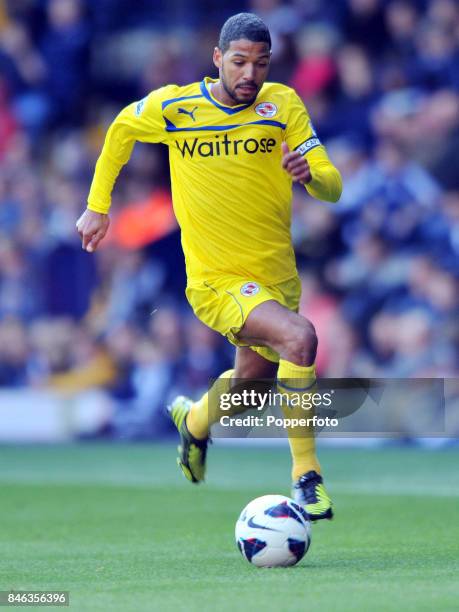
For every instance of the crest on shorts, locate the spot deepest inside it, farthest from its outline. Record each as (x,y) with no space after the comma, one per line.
(250,289)
(266,109)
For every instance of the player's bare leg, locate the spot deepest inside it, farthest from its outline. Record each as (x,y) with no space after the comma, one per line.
(251,365)
(288,333)
(294,338)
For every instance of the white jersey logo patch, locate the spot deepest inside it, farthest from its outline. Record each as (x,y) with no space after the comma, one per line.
(250,289)
(140,106)
(266,109)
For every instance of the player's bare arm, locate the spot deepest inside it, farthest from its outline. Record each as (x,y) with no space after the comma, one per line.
(92,227)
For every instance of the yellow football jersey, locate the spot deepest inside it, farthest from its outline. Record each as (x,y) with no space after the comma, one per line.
(231,196)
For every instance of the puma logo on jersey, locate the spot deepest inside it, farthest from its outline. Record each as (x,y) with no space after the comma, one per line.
(183,111)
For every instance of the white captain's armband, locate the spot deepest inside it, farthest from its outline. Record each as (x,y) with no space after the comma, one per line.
(307,145)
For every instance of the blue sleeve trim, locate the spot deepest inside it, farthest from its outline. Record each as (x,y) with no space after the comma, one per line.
(172,100)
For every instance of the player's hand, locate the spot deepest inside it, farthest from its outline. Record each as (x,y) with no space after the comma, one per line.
(295,164)
(92,227)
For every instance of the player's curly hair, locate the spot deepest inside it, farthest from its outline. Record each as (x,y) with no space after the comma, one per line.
(243,25)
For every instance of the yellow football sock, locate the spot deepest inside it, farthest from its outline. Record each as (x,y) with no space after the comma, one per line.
(296,380)
(204,413)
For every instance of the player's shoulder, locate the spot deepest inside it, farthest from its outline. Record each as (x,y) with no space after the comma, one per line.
(171,93)
(282,96)
(158,99)
(278,90)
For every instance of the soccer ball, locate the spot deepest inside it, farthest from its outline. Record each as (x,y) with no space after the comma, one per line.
(273,531)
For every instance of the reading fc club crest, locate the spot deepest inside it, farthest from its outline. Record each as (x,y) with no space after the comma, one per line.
(266,109)
(250,289)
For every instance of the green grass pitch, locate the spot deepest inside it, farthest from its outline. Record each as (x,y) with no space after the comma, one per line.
(120,529)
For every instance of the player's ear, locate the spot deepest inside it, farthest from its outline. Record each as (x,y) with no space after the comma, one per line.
(217,57)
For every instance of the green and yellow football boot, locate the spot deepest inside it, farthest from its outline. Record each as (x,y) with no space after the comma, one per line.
(309,492)
(192,452)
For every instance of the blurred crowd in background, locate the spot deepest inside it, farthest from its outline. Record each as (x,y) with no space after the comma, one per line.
(380,268)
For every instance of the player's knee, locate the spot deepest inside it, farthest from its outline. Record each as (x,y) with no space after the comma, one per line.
(301,343)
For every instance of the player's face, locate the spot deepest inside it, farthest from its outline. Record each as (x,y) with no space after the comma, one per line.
(243,69)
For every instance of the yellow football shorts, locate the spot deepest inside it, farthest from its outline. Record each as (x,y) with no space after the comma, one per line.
(223,304)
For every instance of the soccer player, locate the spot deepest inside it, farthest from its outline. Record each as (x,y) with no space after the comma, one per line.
(236,144)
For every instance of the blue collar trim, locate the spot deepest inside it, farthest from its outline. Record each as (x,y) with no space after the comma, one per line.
(229,110)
